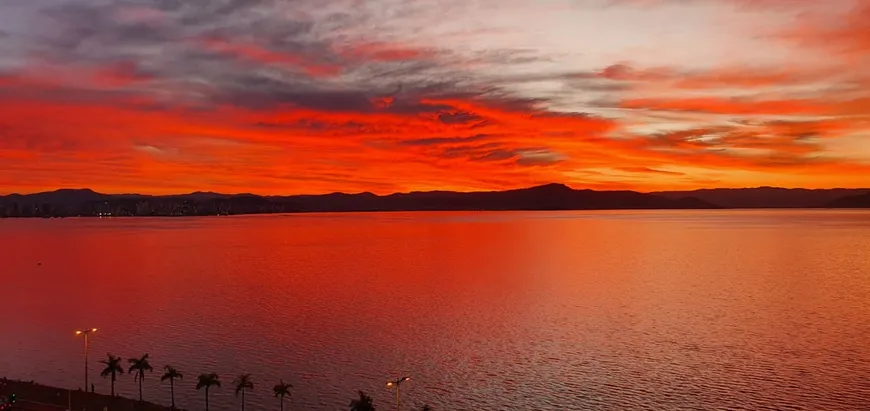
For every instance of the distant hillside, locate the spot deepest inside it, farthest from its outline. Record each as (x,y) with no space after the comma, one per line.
(62,203)
(855,201)
(765,197)
(59,196)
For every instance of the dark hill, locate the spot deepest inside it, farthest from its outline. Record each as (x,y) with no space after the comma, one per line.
(856,201)
(765,197)
(63,203)
(65,195)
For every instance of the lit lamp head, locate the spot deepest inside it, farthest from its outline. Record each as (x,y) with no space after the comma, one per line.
(88,331)
(397,382)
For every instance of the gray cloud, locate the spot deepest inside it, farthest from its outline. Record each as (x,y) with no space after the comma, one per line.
(458,118)
(538,157)
(434,141)
(256,54)
(493,151)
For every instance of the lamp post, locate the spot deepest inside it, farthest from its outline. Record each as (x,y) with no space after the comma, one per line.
(396,384)
(86,333)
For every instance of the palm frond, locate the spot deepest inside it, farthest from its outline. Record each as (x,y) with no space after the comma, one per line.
(282,389)
(363,403)
(141,364)
(113,366)
(171,374)
(208,380)
(243,382)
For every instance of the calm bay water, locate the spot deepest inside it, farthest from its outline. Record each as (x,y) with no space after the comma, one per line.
(660,310)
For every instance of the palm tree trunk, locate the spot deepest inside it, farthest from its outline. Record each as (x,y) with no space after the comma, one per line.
(206,398)
(282,402)
(113,385)
(140,388)
(243,399)
(172,391)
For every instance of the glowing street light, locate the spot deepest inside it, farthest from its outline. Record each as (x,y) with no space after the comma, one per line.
(86,333)
(396,384)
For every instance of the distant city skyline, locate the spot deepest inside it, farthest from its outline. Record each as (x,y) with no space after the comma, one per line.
(309,97)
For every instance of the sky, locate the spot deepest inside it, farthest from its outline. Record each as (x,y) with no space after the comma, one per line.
(317,96)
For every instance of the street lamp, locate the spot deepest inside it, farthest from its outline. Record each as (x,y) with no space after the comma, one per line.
(396,384)
(86,333)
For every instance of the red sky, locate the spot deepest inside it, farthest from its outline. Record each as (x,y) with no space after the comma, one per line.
(310,96)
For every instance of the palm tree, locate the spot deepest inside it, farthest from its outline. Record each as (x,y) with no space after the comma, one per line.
(363,403)
(113,368)
(207,381)
(171,374)
(243,383)
(282,390)
(140,365)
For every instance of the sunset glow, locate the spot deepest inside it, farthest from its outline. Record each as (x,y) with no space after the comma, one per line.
(316,96)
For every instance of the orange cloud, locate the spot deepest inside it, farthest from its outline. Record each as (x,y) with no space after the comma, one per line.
(109,131)
(647,170)
(378,113)
(464,144)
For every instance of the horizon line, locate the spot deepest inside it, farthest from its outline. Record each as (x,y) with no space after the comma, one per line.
(431,191)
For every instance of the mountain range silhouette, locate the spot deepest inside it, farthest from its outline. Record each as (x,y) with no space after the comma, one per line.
(86,202)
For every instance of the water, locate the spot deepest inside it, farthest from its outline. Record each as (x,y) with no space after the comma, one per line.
(660,310)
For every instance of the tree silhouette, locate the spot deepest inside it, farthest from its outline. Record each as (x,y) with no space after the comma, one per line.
(243,383)
(363,403)
(171,374)
(139,365)
(282,390)
(207,381)
(113,368)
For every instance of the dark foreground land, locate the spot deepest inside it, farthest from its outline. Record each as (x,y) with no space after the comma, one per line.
(71,203)
(37,397)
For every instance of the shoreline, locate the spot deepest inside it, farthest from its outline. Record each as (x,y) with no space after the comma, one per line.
(294,213)
(548,197)
(32,396)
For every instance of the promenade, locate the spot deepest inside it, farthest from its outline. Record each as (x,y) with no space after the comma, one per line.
(37,397)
